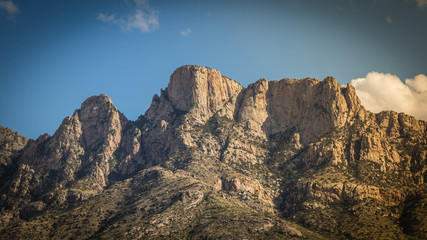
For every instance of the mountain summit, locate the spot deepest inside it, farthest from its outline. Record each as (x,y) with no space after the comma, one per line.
(210,159)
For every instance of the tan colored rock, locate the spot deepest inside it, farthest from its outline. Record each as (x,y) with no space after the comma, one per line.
(326,193)
(253,109)
(202,90)
(311,106)
(248,185)
(296,141)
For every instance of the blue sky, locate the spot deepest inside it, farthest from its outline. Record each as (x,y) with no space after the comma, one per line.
(55,54)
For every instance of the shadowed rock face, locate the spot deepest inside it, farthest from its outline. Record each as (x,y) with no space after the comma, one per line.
(210,159)
(79,153)
(10,145)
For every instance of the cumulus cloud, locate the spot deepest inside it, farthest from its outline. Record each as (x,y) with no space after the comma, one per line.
(384,91)
(9,7)
(142,18)
(422,3)
(186,32)
(418,83)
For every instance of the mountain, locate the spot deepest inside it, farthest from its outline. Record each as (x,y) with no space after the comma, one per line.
(210,159)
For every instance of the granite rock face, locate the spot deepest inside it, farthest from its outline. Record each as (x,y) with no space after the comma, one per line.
(73,164)
(11,143)
(213,159)
(203,91)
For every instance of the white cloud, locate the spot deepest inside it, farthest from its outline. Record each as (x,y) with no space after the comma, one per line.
(186,32)
(10,8)
(141,3)
(143,18)
(106,18)
(422,3)
(144,22)
(384,91)
(418,83)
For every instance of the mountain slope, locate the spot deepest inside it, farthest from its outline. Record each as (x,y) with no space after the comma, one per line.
(210,159)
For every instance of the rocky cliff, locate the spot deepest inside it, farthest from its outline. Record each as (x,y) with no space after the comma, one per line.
(212,159)
(11,143)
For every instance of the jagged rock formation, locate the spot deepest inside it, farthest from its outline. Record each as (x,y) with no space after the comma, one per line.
(10,145)
(212,159)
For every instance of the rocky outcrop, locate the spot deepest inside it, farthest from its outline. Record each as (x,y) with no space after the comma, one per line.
(182,89)
(264,107)
(11,143)
(77,159)
(102,131)
(202,91)
(318,194)
(246,186)
(310,106)
(85,141)
(253,108)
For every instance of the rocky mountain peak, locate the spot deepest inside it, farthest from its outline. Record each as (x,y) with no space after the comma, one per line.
(267,107)
(310,106)
(81,152)
(100,119)
(211,159)
(97,100)
(200,89)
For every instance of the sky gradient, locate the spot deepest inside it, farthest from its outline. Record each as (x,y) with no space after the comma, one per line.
(55,54)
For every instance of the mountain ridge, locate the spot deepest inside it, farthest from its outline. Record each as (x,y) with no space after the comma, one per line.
(297,156)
